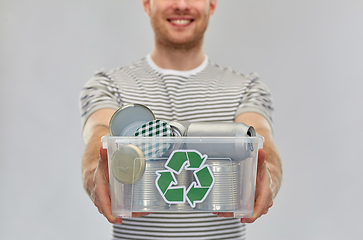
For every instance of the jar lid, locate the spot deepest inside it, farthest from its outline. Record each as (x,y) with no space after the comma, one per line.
(127,119)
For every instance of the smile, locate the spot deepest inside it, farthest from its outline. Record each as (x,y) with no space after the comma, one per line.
(180,21)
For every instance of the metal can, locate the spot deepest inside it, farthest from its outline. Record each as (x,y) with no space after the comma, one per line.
(128,164)
(222,196)
(179,128)
(127,119)
(238,151)
(145,196)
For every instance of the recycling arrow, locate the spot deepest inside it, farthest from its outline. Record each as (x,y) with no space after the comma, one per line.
(164,182)
(176,161)
(196,194)
(195,160)
(204,176)
(197,191)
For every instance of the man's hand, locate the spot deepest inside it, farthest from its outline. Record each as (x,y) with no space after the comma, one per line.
(99,188)
(263,192)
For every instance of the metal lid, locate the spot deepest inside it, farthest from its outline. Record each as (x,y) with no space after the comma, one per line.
(126,120)
(128,164)
(155,128)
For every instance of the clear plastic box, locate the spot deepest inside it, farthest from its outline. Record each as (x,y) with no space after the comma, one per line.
(182,174)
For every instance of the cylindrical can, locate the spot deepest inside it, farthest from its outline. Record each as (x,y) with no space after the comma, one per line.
(127,119)
(128,164)
(185,178)
(145,196)
(238,151)
(222,196)
(220,129)
(179,128)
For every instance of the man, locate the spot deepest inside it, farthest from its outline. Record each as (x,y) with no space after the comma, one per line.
(177,81)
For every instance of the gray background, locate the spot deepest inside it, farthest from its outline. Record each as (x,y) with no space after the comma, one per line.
(309,53)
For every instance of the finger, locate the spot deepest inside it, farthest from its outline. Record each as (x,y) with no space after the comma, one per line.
(92,195)
(102,167)
(225,214)
(103,196)
(260,208)
(103,153)
(229,214)
(266,211)
(140,214)
(118,221)
(137,214)
(101,190)
(269,205)
(102,193)
(97,204)
(257,212)
(263,200)
(261,157)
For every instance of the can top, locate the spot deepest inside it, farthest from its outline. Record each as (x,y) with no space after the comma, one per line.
(127,119)
(128,164)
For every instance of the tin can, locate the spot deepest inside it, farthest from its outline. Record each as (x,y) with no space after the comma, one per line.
(239,151)
(179,128)
(127,119)
(128,164)
(185,178)
(145,196)
(222,197)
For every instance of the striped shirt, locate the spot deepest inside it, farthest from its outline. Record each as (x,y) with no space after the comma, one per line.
(207,93)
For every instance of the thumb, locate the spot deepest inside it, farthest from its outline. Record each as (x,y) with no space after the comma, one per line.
(261,157)
(103,153)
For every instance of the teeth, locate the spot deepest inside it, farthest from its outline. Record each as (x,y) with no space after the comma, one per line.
(180,21)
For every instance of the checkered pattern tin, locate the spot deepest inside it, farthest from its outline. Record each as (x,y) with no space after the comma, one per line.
(155,128)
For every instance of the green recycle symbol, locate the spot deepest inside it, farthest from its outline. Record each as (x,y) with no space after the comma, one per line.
(197,192)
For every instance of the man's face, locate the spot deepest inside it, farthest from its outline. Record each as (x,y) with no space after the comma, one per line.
(179,23)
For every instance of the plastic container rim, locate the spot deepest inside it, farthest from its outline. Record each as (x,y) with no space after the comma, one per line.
(113,139)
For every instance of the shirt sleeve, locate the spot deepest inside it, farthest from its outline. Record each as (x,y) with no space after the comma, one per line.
(98,93)
(257,98)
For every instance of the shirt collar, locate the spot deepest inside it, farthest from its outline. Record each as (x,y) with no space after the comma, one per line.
(187,73)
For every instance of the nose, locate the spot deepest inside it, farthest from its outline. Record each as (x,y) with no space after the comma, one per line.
(181,5)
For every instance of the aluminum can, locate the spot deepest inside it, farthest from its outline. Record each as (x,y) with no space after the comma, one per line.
(238,151)
(222,196)
(145,196)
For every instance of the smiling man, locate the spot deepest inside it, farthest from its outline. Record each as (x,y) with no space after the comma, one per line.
(178,82)
(179,28)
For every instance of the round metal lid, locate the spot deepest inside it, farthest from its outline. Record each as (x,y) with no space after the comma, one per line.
(126,120)
(155,128)
(128,164)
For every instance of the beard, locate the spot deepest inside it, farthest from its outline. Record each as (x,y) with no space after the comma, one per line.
(175,41)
